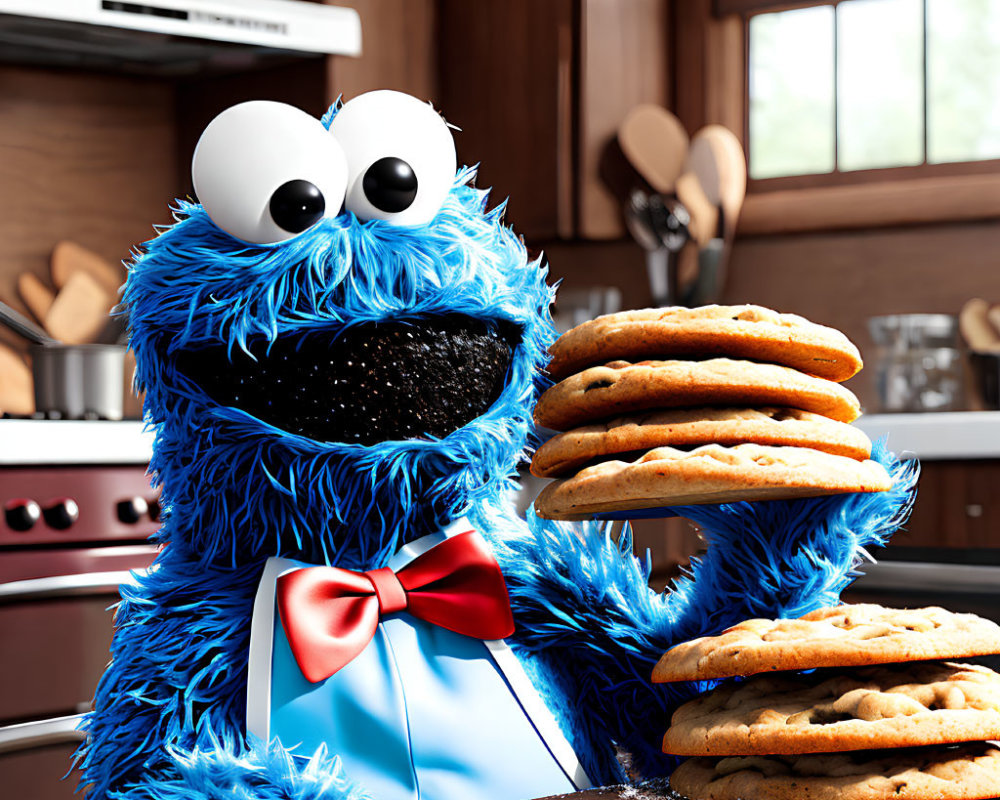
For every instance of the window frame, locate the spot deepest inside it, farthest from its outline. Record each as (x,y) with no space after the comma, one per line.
(889,196)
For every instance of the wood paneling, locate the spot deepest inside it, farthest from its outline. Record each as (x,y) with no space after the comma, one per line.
(504,69)
(624,61)
(708,70)
(398,50)
(956,506)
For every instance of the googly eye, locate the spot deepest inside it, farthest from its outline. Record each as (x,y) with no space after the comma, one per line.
(267,171)
(400,157)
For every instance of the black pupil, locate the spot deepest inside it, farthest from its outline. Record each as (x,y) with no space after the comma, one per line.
(297,205)
(390,184)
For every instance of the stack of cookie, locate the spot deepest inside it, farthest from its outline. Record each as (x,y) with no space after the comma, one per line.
(880,717)
(741,403)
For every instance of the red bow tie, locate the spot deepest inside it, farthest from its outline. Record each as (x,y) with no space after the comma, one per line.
(330,614)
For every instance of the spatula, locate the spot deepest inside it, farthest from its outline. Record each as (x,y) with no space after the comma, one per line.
(655,144)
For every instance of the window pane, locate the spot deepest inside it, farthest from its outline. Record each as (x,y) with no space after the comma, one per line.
(963,76)
(791,93)
(880,83)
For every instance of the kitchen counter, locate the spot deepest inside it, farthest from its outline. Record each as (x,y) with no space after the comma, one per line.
(937,435)
(931,436)
(42,441)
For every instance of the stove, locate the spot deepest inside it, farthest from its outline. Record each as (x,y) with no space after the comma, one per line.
(76,509)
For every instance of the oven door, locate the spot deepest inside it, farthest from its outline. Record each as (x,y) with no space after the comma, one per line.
(35,757)
(56,623)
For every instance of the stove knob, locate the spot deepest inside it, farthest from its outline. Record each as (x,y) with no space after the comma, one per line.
(62,513)
(154,510)
(22,514)
(132,510)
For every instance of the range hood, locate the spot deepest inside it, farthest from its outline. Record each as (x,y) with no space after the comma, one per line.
(173,37)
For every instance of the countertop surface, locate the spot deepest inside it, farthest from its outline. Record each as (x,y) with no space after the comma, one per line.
(931,436)
(937,435)
(32,442)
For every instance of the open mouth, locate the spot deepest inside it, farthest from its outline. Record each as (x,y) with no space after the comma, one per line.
(370,383)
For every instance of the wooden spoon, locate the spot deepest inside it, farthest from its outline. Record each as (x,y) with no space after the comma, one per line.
(655,143)
(36,295)
(716,157)
(704,212)
(80,311)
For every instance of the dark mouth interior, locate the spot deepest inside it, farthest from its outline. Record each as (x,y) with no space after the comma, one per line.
(369,383)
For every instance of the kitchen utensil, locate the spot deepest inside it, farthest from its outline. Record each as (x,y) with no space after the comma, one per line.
(80,311)
(703,212)
(716,157)
(712,187)
(24,326)
(670,220)
(15,383)
(79,381)
(36,295)
(660,225)
(655,144)
(639,222)
(68,258)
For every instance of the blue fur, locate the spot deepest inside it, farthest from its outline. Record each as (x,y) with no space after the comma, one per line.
(169,715)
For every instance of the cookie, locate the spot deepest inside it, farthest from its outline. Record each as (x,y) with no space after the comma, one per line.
(898,705)
(621,387)
(743,331)
(966,772)
(709,474)
(567,452)
(841,636)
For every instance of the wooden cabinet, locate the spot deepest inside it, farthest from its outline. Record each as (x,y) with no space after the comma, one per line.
(958,505)
(539,89)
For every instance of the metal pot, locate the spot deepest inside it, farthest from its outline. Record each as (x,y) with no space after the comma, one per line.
(79,381)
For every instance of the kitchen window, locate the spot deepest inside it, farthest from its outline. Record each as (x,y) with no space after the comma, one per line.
(868,112)
(870,84)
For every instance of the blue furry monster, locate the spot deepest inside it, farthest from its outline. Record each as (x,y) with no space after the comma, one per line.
(341,347)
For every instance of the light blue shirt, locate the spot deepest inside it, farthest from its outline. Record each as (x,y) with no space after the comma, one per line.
(421,713)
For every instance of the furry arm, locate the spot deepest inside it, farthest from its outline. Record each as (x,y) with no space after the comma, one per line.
(583,605)
(217,770)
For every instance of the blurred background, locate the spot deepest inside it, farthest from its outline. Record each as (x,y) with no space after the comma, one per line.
(837,160)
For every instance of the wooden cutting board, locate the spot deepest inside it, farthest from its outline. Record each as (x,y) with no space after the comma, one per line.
(36,295)
(16,387)
(68,258)
(80,310)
